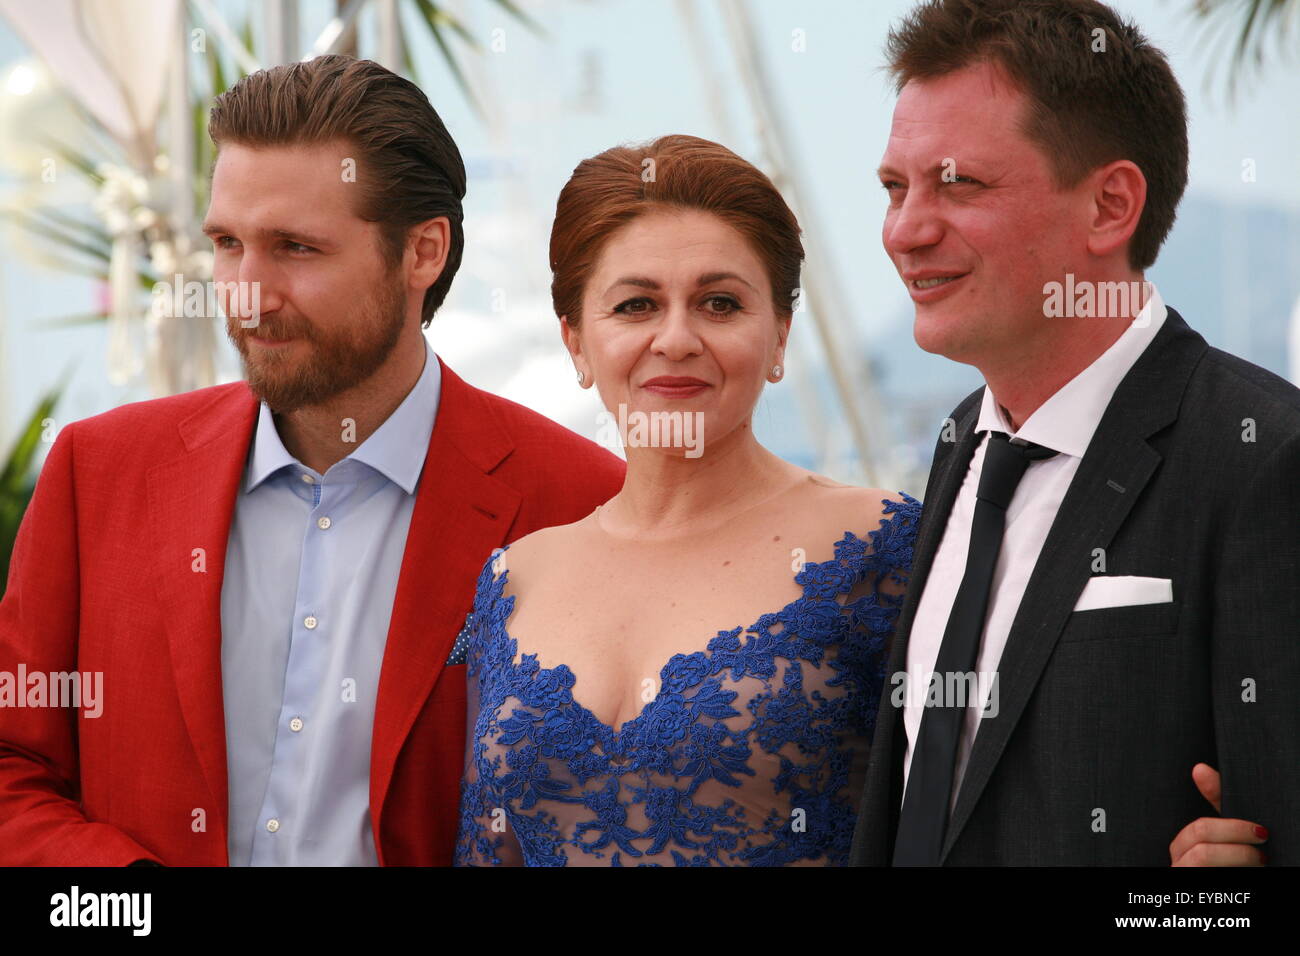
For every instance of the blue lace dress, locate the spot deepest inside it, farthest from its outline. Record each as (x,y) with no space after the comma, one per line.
(752,753)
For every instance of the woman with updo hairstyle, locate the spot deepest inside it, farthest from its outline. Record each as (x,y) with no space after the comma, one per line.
(688,676)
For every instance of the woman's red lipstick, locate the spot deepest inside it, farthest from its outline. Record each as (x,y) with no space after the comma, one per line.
(674,386)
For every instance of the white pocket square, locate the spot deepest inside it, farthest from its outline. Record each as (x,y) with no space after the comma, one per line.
(1124,591)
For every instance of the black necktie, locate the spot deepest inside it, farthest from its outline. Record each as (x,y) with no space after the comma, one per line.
(924,817)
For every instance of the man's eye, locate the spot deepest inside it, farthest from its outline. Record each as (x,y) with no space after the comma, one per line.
(894,190)
(220,241)
(963,179)
(728,303)
(632,306)
(297,247)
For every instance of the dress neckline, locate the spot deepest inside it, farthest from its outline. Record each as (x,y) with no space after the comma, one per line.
(612,739)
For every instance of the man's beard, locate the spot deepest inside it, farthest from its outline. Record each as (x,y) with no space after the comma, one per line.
(337,361)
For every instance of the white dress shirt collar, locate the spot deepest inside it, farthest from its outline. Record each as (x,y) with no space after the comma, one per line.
(1067,420)
(396,449)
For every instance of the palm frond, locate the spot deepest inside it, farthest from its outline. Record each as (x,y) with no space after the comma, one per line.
(76,320)
(17,480)
(1253,26)
(80,161)
(62,237)
(513,9)
(438,20)
(17,466)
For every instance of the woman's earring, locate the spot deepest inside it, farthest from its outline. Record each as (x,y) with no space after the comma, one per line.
(580,377)
(777,371)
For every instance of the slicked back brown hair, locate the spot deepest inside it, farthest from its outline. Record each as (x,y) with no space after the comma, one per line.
(1086,108)
(611,189)
(408,167)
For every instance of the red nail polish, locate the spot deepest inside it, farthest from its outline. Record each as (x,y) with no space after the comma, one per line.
(1261,832)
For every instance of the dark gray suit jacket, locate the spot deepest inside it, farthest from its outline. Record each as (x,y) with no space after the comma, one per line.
(1104,712)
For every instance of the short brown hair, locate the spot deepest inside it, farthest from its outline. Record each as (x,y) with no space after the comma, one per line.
(611,189)
(1086,109)
(413,169)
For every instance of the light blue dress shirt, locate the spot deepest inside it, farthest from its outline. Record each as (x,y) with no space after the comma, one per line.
(311,572)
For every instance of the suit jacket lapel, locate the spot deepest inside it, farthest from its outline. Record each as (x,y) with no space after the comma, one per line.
(1116,467)
(192,500)
(461,514)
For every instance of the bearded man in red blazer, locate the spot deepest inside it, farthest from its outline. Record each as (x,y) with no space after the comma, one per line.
(255,589)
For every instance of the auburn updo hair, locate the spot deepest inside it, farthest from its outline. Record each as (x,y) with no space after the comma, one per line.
(609,190)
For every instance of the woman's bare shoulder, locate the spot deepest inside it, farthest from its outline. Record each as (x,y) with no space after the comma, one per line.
(849,503)
(545,547)
(826,510)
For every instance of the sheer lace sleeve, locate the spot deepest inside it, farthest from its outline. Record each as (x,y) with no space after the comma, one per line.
(876,600)
(892,544)
(485,837)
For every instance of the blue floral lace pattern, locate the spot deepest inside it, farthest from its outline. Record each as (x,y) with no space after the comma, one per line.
(752,753)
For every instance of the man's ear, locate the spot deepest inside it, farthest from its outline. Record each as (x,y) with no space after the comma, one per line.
(431,240)
(1119,194)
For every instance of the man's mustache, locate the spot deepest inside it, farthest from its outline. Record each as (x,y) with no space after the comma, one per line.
(270,328)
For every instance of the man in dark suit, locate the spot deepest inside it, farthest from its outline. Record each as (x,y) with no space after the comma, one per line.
(1106,585)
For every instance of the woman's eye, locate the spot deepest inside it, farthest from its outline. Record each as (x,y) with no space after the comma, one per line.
(721,304)
(634,306)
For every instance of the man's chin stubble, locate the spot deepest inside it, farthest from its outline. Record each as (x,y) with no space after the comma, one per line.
(285,389)
(288,386)
(275,378)
(288,383)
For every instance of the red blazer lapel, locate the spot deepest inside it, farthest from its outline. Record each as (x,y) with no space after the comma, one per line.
(192,501)
(461,514)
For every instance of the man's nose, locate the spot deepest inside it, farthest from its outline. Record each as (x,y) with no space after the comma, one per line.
(252,289)
(914,224)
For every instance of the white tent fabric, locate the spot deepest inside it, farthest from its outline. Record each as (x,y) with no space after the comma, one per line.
(113,58)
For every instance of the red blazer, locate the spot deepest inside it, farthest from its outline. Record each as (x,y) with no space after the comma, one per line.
(106,576)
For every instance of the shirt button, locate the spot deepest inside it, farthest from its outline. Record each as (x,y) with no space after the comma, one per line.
(323,523)
(272,825)
(309,622)
(296,724)
(309,479)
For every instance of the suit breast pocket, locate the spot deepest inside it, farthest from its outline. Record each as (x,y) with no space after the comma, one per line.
(1117,623)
